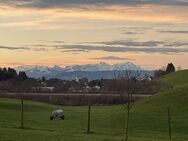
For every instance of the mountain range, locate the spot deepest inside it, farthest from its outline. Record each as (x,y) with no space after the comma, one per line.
(91,71)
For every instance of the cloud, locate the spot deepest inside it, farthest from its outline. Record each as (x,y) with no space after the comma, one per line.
(111,58)
(174,31)
(80,3)
(13,48)
(33,48)
(39,49)
(108,48)
(56,41)
(133,43)
(75,50)
(75,14)
(177,44)
(131,32)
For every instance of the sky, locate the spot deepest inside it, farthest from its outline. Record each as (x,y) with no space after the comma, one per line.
(149,33)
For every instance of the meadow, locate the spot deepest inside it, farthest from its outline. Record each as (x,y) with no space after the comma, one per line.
(148,118)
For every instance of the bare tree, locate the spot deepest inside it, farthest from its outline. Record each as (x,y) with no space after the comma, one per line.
(126,84)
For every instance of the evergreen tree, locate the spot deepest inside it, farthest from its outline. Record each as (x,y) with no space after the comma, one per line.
(22,75)
(170,68)
(11,73)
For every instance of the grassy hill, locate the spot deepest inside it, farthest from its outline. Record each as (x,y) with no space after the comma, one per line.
(150,114)
(148,121)
(176,79)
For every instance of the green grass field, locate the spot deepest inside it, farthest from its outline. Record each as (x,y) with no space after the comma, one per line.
(148,121)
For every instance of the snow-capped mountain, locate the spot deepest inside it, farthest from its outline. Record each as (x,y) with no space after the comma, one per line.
(89,67)
(92,71)
(30,67)
(102,67)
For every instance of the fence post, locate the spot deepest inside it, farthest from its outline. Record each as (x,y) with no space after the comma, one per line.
(169,124)
(22,126)
(127,123)
(88,124)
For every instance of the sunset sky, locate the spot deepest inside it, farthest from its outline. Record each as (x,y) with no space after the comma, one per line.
(149,33)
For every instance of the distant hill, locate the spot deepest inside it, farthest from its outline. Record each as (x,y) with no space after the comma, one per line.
(91,71)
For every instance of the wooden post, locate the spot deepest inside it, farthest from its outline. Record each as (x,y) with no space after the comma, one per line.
(88,123)
(127,123)
(22,114)
(169,124)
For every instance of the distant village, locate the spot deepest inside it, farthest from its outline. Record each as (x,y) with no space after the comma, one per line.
(78,85)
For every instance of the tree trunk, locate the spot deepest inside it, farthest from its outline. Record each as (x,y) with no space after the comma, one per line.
(88,124)
(169,124)
(127,122)
(22,113)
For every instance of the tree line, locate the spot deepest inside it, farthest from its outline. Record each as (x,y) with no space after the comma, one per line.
(10,73)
